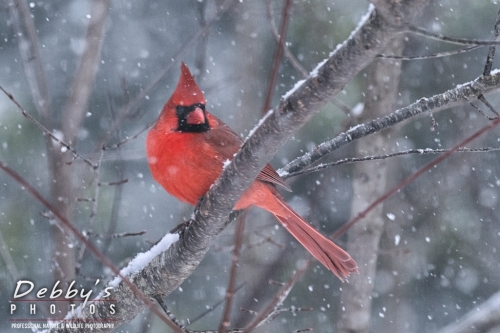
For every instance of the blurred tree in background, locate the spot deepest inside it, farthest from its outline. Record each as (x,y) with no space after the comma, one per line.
(96,73)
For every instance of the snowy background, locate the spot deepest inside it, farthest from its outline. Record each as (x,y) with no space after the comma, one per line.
(439,251)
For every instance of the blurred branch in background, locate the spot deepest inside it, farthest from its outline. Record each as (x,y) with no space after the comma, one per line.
(483,318)
(369,182)
(29,48)
(278,53)
(231,287)
(81,87)
(270,310)
(288,54)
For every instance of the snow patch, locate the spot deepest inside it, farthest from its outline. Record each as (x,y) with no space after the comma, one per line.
(314,72)
(358,109)
(141,260)
(282,173)
(461,85)
(226,163)
(270,112)
(495,71)
(296,86)
(397,239)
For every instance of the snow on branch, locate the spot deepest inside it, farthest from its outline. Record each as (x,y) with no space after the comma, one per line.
(461,94)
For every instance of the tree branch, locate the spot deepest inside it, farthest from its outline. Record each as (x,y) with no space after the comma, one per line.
(76,105)
(230,291)
(369,182)
(461,94)
(29,49)
(278,54)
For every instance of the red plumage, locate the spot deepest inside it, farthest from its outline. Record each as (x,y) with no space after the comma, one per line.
(186,150)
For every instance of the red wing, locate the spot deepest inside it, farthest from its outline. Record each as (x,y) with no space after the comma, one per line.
(221,137)
(228,143)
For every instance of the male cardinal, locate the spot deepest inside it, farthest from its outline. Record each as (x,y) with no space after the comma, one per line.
(186,150)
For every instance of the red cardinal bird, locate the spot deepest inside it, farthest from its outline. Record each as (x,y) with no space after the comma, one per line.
(186,151)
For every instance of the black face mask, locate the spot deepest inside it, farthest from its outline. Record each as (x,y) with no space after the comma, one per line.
(183,111)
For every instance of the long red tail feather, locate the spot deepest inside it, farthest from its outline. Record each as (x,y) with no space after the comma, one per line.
(328,253)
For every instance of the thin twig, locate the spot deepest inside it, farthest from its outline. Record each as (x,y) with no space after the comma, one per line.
(212,307)
(170,315)
(127,139)
(120,235)
(29,48)
(288,54)
(230,291)
(491,50)
(97,188)
(291,309)
(119,167)
(115,183)
(278,54)
(490,107)
(265,314)
(426,151)
(64,145)
(414,176)
(449,39)
(431,56)
(52,220)
(478,109)
(266,240)
(342,106)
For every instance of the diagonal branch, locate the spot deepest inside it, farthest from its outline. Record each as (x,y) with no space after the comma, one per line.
(417,151)
(81,87)
(452,40)
(278,54)
(461,94)
(29,48)
(491,50)
(288,54)
(238,240)
(266,313)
